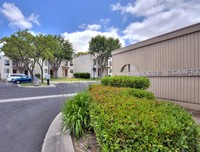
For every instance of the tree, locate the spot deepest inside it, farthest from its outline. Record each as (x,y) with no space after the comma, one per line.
(19,47)
(43,45)
(101,47)
(80,53)
(62,50)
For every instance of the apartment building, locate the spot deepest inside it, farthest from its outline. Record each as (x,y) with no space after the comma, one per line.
(82,63)
(88,63)
(66,69)
(8,66)
(5,66)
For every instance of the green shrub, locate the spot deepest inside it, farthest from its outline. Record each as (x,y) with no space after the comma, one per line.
(126,81)
(82,75)
(37,75)
(125,124)
(75,114)
(140,93)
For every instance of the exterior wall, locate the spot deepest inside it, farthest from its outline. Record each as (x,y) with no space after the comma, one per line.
(66,69)
(45,68)
(171,61)
(3,72)
(84,63)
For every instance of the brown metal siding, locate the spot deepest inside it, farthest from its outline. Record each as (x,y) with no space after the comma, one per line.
(180,52)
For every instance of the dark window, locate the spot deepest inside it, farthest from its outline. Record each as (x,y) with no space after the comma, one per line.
(71,63)
(6,62)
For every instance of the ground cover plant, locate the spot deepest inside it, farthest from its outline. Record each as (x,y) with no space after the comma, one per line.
(126,81)
(125,123)
(75,114)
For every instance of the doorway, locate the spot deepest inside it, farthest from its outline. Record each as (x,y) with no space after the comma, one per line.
(51,73)
(66,73)
(26,72)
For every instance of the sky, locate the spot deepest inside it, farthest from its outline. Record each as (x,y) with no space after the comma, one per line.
(130,21)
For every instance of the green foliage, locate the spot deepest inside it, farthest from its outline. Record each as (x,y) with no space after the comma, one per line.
(76,114)
(37,75)
(43,47)
(62,50)
(19,47)
(140,93)
(82,75)
(101,47)
(124,123)
(80,53)
(126,81)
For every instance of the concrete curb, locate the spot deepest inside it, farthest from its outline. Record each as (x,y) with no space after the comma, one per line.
(55,140)
(72,82)
(42,86)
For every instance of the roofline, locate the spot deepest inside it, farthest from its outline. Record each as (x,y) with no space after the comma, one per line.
(177,33)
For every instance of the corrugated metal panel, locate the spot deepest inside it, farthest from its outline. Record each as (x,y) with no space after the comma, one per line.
(177,53)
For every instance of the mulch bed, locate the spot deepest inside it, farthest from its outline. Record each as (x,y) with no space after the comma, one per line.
(87,143)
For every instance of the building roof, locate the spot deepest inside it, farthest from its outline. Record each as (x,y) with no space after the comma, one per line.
(177,33)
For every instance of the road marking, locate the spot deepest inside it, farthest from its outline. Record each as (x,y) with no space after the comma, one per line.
(36,98)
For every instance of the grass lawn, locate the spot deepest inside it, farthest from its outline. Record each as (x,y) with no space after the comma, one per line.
(73,79)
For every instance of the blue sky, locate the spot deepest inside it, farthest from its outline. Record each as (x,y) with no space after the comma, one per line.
(78,20)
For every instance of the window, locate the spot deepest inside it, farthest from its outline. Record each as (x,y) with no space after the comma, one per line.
(14,63)
(110,70)
(94,61)
(6,62)
(6,71)
(71,63)
(110,63)
(45,63)
(66,63)
(71,71)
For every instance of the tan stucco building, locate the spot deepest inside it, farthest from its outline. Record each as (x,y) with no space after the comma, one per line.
(171,61)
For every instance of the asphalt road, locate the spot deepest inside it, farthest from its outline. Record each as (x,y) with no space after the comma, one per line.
(10,90)
(23,124)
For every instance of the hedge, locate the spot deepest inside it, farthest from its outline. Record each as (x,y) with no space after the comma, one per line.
(124,123)
(82,75)
(126,81)
(140,93)
(37,75)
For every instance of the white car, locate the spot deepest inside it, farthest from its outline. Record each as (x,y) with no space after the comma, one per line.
(13,76)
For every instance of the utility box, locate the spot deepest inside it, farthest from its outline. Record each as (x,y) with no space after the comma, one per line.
(36,81)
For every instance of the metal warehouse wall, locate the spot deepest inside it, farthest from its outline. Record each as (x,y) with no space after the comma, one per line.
(172,52)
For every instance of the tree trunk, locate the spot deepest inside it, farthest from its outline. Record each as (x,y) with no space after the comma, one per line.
(32,76)
(55,73)
(41,76)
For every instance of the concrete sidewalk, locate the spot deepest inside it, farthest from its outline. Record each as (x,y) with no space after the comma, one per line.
(56,140)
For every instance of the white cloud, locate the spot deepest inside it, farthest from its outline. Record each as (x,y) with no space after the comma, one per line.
(1,45)
(105,21)
(158,17)
(80,39)
(93,27)
(16,17)
(34,18)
